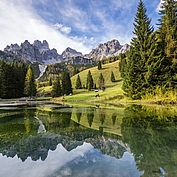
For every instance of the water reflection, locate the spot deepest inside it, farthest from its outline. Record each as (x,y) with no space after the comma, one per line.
(152,139)
(133,141)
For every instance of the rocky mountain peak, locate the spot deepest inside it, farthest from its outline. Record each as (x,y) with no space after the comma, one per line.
(25,44)
(45,43)
(107,49)
(42,46)
(12,47)
(38,51)
(69,53)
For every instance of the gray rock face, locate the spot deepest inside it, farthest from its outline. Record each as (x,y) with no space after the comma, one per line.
(110,48)
(40,52)
(42,46)
(36,52)
(79,60)
(69,53)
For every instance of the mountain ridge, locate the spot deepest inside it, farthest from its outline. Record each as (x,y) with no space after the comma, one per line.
(40,52)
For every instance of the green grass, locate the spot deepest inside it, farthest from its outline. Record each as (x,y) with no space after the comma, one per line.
(46,90)
(106,71)
(113,89)
(113,93)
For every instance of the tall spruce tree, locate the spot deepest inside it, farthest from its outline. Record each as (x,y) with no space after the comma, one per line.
(89,84)
(12,77)
(135,84)
(99,65)
(167,38)
(30,85)
(50,82)
(168,28)
(66,84)
(3,80)
(101,82)
(112,77)
(78,83)
(159,73)
(56,88)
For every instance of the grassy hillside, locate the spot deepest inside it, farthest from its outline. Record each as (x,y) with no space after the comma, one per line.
(106,71)
(113,89)
(113,92)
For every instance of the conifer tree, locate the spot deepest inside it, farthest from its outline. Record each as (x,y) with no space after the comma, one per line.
(167,38)
(168,28)
(30,85)
(101,82)
(56,88)
(141,49)
(78,83)
(99,65)
(66,84)
(90,83)
(3,80)
(159,68)
(76,71)
(50,82)
(112,77)
(12,78)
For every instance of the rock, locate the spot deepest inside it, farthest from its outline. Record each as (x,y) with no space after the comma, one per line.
(69,53)
(110,48)
(41,53)
(41,46)
(79,60)
(36,52)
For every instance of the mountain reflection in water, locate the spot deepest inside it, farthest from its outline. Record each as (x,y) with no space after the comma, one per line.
(133,141)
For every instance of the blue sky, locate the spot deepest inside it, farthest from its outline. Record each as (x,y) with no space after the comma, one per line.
(80,24)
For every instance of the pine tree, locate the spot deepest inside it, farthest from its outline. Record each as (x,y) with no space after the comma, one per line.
(136,63)
(56,88)
(112,77)
(3,80)
(30,85)
(78,83)
(167,38)
(76,71)
(50,82)
(99,65)
(12,77)
(101,82)
(159,68)
(168,28)
(90,83)
(66,84)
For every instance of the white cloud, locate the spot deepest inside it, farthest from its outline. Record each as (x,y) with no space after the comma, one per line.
(120,4)
(113,30)
(76,16)
(63,28)
(19,21)
(159,7)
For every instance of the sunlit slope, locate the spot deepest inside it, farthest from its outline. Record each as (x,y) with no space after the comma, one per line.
(106,71)
(113,89)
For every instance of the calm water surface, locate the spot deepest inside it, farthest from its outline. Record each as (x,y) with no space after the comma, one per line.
(48,141)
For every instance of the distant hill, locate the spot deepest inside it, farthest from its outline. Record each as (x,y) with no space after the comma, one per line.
(106,71)
(42,57)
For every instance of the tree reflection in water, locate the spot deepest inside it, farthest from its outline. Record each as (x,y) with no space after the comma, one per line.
(149,134)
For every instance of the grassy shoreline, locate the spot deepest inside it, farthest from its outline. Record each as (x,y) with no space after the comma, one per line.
(113,95)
